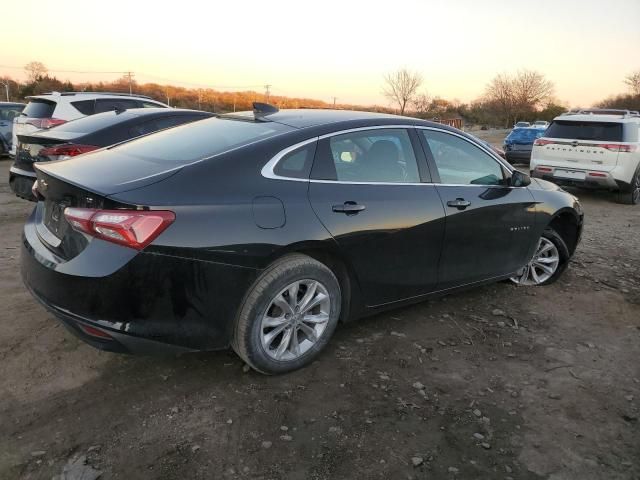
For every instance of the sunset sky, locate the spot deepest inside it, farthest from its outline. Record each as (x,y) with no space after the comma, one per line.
(331,48)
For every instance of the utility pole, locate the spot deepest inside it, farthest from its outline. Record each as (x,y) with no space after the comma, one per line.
(334,101)
(199,99)
(130,75)
(6,88)
(267,91)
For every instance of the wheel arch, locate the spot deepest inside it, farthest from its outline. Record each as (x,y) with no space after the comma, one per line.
(568,225)
(341,268)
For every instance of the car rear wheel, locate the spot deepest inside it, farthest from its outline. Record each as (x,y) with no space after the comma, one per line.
(631,195)
(548,262)
(288,316)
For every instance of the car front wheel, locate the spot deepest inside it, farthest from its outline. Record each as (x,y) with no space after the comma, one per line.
(548,262)
(288,316)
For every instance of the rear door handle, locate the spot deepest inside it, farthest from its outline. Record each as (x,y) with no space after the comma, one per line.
(459,203)
(350,208)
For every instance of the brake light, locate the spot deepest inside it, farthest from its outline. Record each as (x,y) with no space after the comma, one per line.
(94,332)
(67,150)
(597,174)
(131,228)
(541,142)
(44,123)
(544,169)
(616,147)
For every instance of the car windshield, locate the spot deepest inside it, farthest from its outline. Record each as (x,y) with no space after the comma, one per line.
(200,140)
(524,135)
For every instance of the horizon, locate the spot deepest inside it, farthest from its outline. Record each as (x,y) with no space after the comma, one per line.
(338,52)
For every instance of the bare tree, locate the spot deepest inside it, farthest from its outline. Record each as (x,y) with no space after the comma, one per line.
(523,93)
(401,87)
(421,103)
(500,92)
(35,70)
(633,82)
(531,90)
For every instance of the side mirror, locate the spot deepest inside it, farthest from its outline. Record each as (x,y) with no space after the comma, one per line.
(519,179)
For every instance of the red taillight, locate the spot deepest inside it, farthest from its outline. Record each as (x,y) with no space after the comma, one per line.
(541,142)
(131,228)
(44,123)
(597,174)
(616,147)
(67,150)
(545,169)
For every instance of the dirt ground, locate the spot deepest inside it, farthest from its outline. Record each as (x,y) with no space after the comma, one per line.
(499,382)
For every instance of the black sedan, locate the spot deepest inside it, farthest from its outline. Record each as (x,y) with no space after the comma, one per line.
(264,230)
(87,134)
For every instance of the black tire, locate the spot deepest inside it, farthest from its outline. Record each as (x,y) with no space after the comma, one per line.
(557,240)
(631,194)
(563,253)
(246,340)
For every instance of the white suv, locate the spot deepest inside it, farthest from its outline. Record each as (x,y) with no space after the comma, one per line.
(592,148)
(51,109)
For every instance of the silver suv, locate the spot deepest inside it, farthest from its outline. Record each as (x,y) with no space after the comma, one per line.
(50,109)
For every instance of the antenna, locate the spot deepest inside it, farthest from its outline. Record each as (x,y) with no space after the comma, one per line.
(260,110)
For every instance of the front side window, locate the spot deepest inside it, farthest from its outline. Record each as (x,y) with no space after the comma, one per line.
(377,155)
(460,162)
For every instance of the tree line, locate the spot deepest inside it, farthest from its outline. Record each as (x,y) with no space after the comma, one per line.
(509,97)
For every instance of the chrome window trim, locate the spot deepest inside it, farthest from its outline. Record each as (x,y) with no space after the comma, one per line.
(268,169)
(472,142)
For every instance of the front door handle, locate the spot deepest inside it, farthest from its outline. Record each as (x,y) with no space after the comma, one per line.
(459,203)
(350,208)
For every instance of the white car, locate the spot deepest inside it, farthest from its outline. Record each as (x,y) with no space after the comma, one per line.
(540,124)
(592,148)
(50,109)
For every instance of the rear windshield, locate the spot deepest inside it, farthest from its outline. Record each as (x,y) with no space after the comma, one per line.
(39,109)
(203,139)
(574,130)
(93,123)
(525,134)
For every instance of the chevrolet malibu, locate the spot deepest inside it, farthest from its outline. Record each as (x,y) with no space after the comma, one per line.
(263,230)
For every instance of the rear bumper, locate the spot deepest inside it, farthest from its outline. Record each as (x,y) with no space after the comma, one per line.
(21,182)
(515,155)
(145,302)
(593,179)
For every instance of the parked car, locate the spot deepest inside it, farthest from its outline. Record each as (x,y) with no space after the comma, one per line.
(497,150)
(541,124)
(50,109)
(262,231)
(8,111)
(519,142)
(522,125)
(88,134)
(594,149)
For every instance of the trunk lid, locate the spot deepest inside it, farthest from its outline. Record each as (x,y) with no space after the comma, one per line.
(28,150)
(108,172)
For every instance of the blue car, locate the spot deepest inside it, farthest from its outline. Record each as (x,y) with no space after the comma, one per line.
(519,142)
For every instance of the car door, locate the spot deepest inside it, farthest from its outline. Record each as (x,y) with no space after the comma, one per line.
(369,187)
(488,222)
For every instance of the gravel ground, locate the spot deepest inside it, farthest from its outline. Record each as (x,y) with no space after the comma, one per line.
(498,382)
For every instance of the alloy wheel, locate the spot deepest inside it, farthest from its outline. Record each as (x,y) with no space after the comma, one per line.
(541,267)
(295,320)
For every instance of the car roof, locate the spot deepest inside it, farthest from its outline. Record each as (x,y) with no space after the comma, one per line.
(303,118)
(589,117)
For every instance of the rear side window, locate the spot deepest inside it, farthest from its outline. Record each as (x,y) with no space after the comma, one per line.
(40,109)
(145,104)
(574,130)
(296,164)
(108,104)
(85,107)
(199,140)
